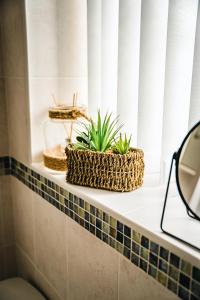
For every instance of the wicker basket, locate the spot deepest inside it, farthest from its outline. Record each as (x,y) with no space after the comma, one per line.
(105,170)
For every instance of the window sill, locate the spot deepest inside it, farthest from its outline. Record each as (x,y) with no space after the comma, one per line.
(140,209)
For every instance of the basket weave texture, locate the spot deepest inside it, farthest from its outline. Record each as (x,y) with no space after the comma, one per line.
(105,170)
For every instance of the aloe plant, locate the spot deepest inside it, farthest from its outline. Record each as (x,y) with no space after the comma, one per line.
(100,135)
(122,145)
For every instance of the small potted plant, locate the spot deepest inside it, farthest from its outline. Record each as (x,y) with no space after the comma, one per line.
(102,159)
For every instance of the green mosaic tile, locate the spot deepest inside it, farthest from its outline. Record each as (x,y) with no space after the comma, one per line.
(87,206)
(172,286)
(61,199)
(173,273)
(113,222)
(136,236)
(81,212)
(99,213)
(186,267)
(66,194)
(112,232)
(162,278)
(112,242)
(144,253)
(76,209)
(92,219)
(106,228)
(119,247)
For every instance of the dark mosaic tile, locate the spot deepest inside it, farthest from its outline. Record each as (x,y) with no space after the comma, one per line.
(76,218)
(98,223)
(127,231)
(192,297)
(184,280)
(173,273)
(195,288)
(152,271)
(120,237)
(154,247)
(183,293)
(127,252)
(81,202)
(87,225)
(127,242)
(164,253)
(143,265)
(153,259)
(76,210)
(92,210)
(120,227)
(163,266)
(71,214)
(162,278)
(82,222)
(135,248)
(172,286)
(105,217)
(92,229)
(99,233)
(105,238)
(134,259)
(87,216)
(196,274)
(174,260)
(145,242)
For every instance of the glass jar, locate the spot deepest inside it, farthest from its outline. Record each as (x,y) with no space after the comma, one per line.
(60,130)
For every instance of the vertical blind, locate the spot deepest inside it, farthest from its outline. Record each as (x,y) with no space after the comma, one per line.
(144,65)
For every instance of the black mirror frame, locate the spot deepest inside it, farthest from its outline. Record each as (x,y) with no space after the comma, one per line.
(177,158)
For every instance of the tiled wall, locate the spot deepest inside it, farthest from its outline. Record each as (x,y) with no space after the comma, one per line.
(34,219)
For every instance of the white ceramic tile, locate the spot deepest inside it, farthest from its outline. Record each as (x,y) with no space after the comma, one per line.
(93,266)
(72,41)
(23,216)
(50,244)
(40,91)
(13,38)
(137,285)
(42,36)
(18,119)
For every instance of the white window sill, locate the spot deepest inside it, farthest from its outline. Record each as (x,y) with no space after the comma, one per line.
(140,209)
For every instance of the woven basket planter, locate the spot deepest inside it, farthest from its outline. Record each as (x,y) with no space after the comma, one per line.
(105,170)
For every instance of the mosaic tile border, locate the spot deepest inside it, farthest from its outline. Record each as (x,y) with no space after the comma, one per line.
(176,274)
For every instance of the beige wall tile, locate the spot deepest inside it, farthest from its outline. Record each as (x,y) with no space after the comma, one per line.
(25,266)
(45,287)
(92,265)
(50,244)
(137,285)
(7,262)
(3,121)
(13,38)
(18,119)
(23,217)
(6,213)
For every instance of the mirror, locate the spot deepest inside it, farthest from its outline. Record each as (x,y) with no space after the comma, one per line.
(188,171)
(180,219)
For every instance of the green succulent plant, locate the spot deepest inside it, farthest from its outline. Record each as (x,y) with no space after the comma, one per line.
(100,135)
(122,145)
